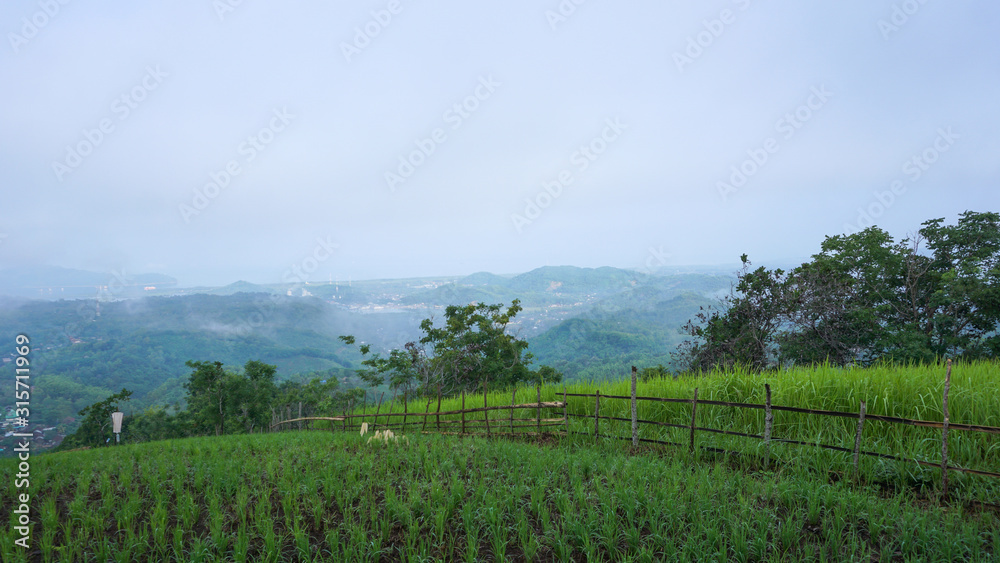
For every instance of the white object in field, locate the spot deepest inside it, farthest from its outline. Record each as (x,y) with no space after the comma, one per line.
(364,428)
(116,421)
(385,436)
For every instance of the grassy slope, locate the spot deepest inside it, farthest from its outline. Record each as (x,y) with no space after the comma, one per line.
(316,496)
(911,392)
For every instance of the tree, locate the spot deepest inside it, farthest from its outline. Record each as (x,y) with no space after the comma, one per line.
(471,348)
(217,398)
(93,430)
(848,304)
(864,298)
(963,310)
(744,332)
(206,396)
(250,395)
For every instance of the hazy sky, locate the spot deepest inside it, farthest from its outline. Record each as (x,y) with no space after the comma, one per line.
(225,140)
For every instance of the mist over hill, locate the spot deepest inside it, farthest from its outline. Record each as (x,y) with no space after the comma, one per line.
(585,322)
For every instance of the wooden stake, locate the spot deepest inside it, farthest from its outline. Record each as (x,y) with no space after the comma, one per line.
(513,401)
(405,412)
(300,415)
(439,408)
(486,414)
(944,433)
(463,411)
(597,412)
(635,411)
(350,408)
(768,425)
(378,408)
(389,410)
(694,411)
(539,411)
(565,417)
(857,437)
(427,409)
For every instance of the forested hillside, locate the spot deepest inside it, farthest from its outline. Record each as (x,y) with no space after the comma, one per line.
(579,320)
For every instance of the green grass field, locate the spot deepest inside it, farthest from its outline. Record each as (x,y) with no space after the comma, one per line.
(331,496)
(911,392)
(317,496)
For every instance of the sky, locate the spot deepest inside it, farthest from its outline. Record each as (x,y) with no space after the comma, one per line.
(225,140)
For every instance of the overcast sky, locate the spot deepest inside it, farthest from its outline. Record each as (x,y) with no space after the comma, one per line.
(373,139)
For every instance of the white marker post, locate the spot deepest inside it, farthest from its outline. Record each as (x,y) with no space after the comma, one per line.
(116,420)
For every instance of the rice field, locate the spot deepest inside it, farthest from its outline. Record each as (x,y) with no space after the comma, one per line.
(322,496)
(913,392)
(327,495)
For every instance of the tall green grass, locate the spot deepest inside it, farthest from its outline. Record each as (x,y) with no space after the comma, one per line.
(913,392)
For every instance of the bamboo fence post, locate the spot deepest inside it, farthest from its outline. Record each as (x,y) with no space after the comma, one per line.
(439,408)
(857,437)
(486,413)
(597,412)
(635,411)
(463,411)
(405,411)
(364,407)
(513,399)
(694,412)
(391,401)
(350,408)
(539,410)
(944,433)
(300,415)
(378,408)
(427,409)
(565,413)
(768,425)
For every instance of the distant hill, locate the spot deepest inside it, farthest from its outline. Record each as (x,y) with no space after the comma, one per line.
(51,282)
(241,287)
(567,285)
(586,322)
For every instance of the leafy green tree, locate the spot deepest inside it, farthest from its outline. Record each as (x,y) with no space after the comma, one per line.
(847,305)
(472,347)
(218,398)
(864,298)
(742,333)
(95,428)
(250,395)
(963,308)
(206,397)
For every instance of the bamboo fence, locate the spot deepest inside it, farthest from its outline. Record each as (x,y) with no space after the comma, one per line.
(537,422)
